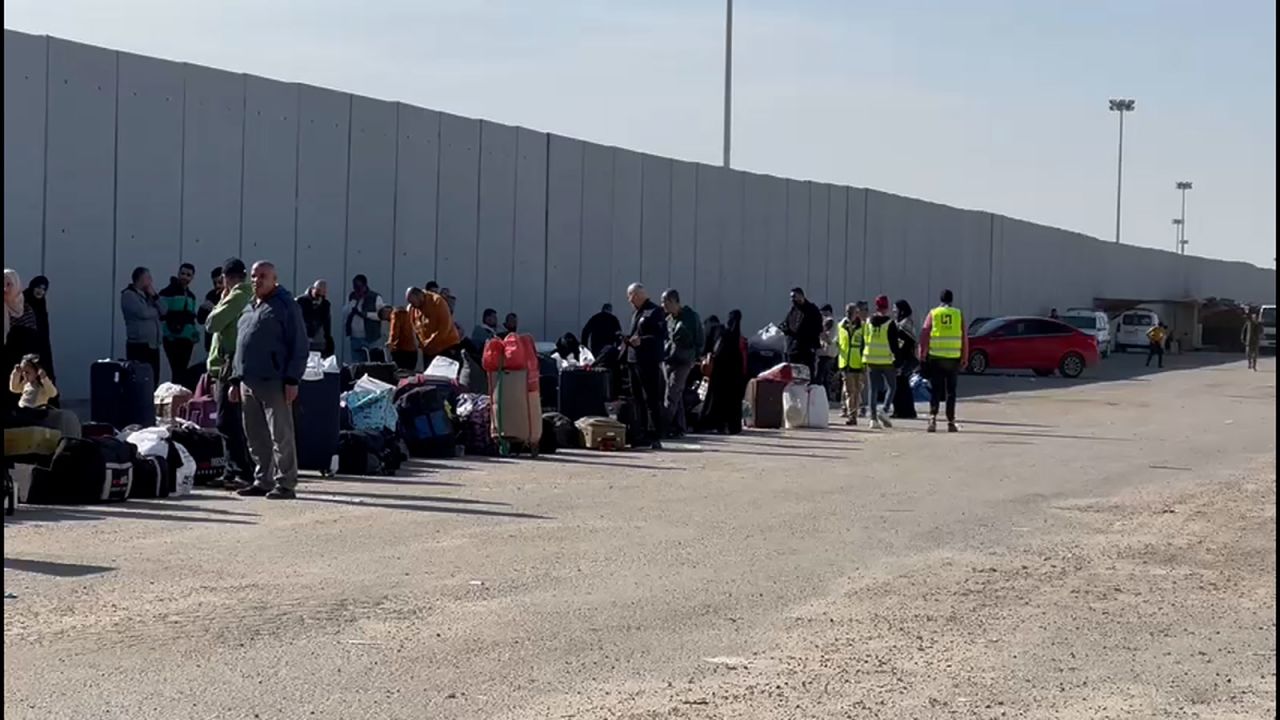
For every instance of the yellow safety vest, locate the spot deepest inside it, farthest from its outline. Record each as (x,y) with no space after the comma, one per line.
(946,333)
(850,348)
(875,349)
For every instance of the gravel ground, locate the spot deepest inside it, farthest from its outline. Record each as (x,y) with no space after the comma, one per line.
(1083,550)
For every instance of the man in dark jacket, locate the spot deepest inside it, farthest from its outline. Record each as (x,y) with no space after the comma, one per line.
(602,330)
(803,329)
(271,354)
(684,347)
(644,355)
(317,316)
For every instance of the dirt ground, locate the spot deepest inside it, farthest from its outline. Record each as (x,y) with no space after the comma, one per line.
(1092,549)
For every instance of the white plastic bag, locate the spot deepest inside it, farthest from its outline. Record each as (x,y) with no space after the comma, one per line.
(769,337)
(185,473)
(795,405)
(443,367)
(819,408)
(372,384)
(585,359)
(315,367)
(151,442)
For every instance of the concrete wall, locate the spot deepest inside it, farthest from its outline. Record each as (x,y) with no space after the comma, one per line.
(114,160)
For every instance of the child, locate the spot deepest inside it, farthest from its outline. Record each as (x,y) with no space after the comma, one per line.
(29,381)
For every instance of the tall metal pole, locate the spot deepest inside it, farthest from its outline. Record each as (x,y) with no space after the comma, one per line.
(728,77)
(1183,186)
(1119,173)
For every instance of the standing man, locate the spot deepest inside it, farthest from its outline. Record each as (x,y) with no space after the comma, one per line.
(1156,337)
(141,309)
(944,346)
(828,349)
(850,344)
(433,325)
(211,299)
(803,329)
(178,309)
(270,356)
(1252,336)
(880,346)
(682,349)
(487,329)
(644,356)
(317,316)
(222,327)
(363,319)
(510,325)
(602,330)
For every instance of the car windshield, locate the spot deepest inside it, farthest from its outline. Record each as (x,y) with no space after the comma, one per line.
(1088,323)
(985,327)
(1269,316)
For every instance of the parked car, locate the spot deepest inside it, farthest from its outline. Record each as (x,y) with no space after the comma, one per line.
(1038,344)
(1267,315)
(976,323)
(1133,328)
(1092,322)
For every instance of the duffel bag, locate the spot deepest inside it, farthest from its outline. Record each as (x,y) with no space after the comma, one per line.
(206,449)
(85,471)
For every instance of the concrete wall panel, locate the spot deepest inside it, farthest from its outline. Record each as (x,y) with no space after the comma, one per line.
(628,180)
(797,238)
(768,240)
(269,203)
(371,197)
(684,219)
(459,193)
(25,84)
(528,286)
(212,157)
(819,217)
(837,244)
(705,292)
(564,233)
(735,293)
(855,250)
(80,209)
(595,268)
(655,242)
(149,128)
(417,174)
(323,164)
(497,220)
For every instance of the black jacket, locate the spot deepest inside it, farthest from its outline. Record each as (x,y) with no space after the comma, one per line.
(317,316)
(601,331)
(649,323)
(803,327)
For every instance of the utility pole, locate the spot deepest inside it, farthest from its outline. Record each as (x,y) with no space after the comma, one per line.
(728,77)
(1122,106)
(1183,186)
(1177,235)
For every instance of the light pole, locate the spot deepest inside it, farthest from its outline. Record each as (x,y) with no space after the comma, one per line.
(1183,186)
(1177,234)
(728,76)
(1122,106)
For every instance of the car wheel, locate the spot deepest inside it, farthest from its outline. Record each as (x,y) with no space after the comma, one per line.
(978,362)
(1042,372)
(1072,365)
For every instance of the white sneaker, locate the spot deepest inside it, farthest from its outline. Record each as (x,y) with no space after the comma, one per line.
(875,424)
(885,421)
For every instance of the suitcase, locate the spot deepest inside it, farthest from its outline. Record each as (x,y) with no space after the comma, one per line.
(601,433)
(475,414)
(517,411)
(424,422)
(121,393)
(384,371)
(559,433)
(151,478)
(583,392)
(760,360)
(317,420)
(636,423)
(97,429)
(364,452)
(765,399)
(207,450)
(549,382)
(370,355)
(85,471)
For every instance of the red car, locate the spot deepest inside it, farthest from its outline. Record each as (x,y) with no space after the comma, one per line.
(1031,343)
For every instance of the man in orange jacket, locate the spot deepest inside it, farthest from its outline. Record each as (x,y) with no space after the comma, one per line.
(433,325)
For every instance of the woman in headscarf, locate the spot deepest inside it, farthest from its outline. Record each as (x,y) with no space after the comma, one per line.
(36,298)
(722,409)
(904,405)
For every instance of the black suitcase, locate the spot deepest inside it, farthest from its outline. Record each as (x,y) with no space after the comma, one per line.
(384,371)
(121,393)
(85,471)
(548,382)
(365,452)
(559,433)
(583,393)
(317,421)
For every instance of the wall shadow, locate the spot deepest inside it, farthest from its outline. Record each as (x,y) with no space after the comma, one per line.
(1120,367)
(55,569)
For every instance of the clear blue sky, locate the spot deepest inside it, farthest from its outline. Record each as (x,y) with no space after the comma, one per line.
(990,104)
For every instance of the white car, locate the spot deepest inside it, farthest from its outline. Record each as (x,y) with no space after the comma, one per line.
(1267,314)
(1133,328)
(1092,322)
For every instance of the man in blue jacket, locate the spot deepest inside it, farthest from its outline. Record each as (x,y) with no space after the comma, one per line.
(271,353)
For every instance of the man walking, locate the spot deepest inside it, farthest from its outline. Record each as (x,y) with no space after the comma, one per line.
(270,356)
(644,356)
(682,348)
(1252,337)
(178,310)
(803,330)
(363,319)
(944,345)
(141,309)
(850,344)
(880,346)
(221,325)
(1156,337)
(317,317)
